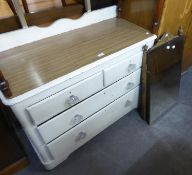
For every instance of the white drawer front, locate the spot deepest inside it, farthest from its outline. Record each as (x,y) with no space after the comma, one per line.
(67,98)
(122,69)
(68,119)
(73,139)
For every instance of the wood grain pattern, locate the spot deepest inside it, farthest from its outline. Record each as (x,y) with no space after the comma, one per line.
(158,15)
(175,16)
(32,65)
(17,166)
(31,6)
(10,3)
(6,8)
(48,16)
(45,17)
(140,12)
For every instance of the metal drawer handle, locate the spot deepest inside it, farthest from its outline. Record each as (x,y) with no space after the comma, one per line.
(132,67)
(76,119)
(72,100)
(81,136)
(130,85)
(128,103)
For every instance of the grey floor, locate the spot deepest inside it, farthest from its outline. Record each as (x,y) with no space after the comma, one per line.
(131,147)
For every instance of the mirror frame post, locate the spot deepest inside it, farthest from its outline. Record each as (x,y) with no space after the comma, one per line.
(88,5)
(20,13)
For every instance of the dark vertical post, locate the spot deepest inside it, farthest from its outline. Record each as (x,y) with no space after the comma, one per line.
(10,3)
(158,14)
(143,101)
(64,3)
(4,86)
(25,6)
(119,8)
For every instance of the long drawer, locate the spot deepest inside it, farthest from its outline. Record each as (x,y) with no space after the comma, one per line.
(122,69)
(68,119)
(65,99)
(73,139)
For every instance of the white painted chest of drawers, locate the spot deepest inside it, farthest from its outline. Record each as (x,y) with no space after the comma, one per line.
(62,115)
(63,118)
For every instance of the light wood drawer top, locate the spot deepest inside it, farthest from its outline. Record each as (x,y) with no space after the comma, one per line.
(32,65)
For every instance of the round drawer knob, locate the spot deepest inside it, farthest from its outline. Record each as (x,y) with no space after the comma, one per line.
(132,67)
(173,47)
(80,136)
(128,103)
(130,85)
(72,100)
(76,119)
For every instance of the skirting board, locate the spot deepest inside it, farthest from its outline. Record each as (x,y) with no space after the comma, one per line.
(19,165)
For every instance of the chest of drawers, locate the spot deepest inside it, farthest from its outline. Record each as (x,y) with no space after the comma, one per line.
(64,99)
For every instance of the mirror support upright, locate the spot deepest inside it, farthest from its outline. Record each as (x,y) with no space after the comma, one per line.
(20,13)
(88,5)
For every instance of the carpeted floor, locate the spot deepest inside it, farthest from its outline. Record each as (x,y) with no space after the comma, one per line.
(131,147)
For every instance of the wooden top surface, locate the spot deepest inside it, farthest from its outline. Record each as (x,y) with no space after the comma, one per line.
(32,65)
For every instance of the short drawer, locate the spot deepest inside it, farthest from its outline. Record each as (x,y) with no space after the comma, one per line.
(73,139)
(122,69)
(70,118)
(65,99)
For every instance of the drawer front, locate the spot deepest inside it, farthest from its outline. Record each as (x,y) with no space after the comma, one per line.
(122,69)
(73,139)
(65,99)
(68,119)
